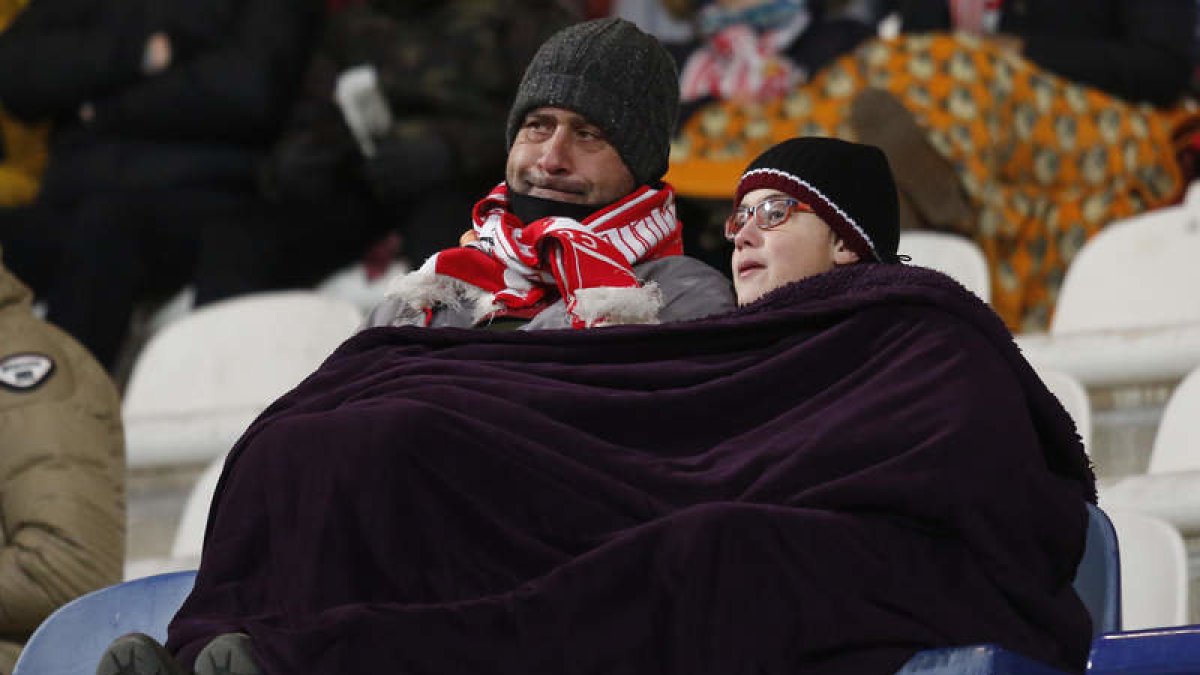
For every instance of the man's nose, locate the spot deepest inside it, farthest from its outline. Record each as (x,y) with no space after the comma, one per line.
(556,152)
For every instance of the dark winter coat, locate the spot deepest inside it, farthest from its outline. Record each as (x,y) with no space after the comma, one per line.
(1140,50)
(201,122)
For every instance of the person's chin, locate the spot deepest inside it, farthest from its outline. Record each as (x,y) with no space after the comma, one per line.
(748,293)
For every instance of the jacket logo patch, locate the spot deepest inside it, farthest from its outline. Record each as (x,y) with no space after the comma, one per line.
(25,372)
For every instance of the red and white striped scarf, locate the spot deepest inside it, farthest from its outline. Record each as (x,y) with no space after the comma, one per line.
(520,263)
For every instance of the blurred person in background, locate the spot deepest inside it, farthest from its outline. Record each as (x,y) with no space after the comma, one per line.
(62,471)
(1138,50)
(397,131)
(751,51)
(22,160)
(161,112)
(1026,125)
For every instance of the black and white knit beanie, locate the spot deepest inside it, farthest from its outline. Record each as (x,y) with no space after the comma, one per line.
(849,185)
(619,78)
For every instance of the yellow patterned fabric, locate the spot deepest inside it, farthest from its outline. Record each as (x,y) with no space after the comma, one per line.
(1045,163)
(24,146)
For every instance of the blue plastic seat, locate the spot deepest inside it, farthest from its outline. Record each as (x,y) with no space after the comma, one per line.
(1098,583)
(1160,651)
(72,639)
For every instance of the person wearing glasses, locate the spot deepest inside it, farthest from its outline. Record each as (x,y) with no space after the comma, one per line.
(817,203)
(853,466)
(583,231)
(815,230)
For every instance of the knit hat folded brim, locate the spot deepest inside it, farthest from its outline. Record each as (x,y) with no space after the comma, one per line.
(849,185)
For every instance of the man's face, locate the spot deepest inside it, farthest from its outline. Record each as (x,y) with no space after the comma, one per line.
(799,247)
(559,155)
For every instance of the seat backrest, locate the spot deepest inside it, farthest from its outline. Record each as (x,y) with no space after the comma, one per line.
(189,536)
(203,378)
(1136,273)
(1177,441)
(1098,577)
(72,639)
(1073,397)
(958,257)
(1154,575)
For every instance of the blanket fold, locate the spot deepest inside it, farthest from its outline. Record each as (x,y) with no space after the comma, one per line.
(856,467)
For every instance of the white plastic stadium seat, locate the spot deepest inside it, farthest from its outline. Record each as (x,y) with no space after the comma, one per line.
(189,533)
(1128,311)
(956,256)
(202,379)
(351,284)
(1154,575)
(1177,442)
(1074,398)
(1171,489)
(189,536)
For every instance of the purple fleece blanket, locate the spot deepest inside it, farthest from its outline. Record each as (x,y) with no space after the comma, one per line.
(859,466)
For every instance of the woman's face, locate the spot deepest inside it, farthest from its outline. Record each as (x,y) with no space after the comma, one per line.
(799,247)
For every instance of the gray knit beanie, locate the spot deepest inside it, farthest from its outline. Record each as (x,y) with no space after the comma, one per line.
(619,78)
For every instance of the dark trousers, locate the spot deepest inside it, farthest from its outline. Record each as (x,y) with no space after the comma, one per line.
(112,250)
(30,248)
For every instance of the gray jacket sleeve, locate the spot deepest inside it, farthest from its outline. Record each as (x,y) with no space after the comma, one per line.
(690,290)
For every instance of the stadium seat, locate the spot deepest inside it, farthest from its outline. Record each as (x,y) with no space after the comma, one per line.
(189,536)
(352,285)
(1170,489)
(1098,583)
(956,256)
(1127,311)
(203,378)
(1177,443)
(1073,397)
(1154,575)
(72,639)
(1159,651)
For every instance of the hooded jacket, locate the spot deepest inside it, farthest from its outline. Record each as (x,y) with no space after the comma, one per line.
(62,469)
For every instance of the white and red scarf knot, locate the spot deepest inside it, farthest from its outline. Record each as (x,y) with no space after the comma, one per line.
(520,263)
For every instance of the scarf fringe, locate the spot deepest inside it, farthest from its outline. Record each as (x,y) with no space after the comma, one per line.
(420,290)
(612,306)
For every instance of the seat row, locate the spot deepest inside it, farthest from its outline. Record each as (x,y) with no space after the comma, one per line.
(71,641)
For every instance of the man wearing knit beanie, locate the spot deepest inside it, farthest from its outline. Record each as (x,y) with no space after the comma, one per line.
(618,79)
(807,205)
(583,231)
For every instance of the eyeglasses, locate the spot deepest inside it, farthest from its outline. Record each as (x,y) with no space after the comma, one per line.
(768,214)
